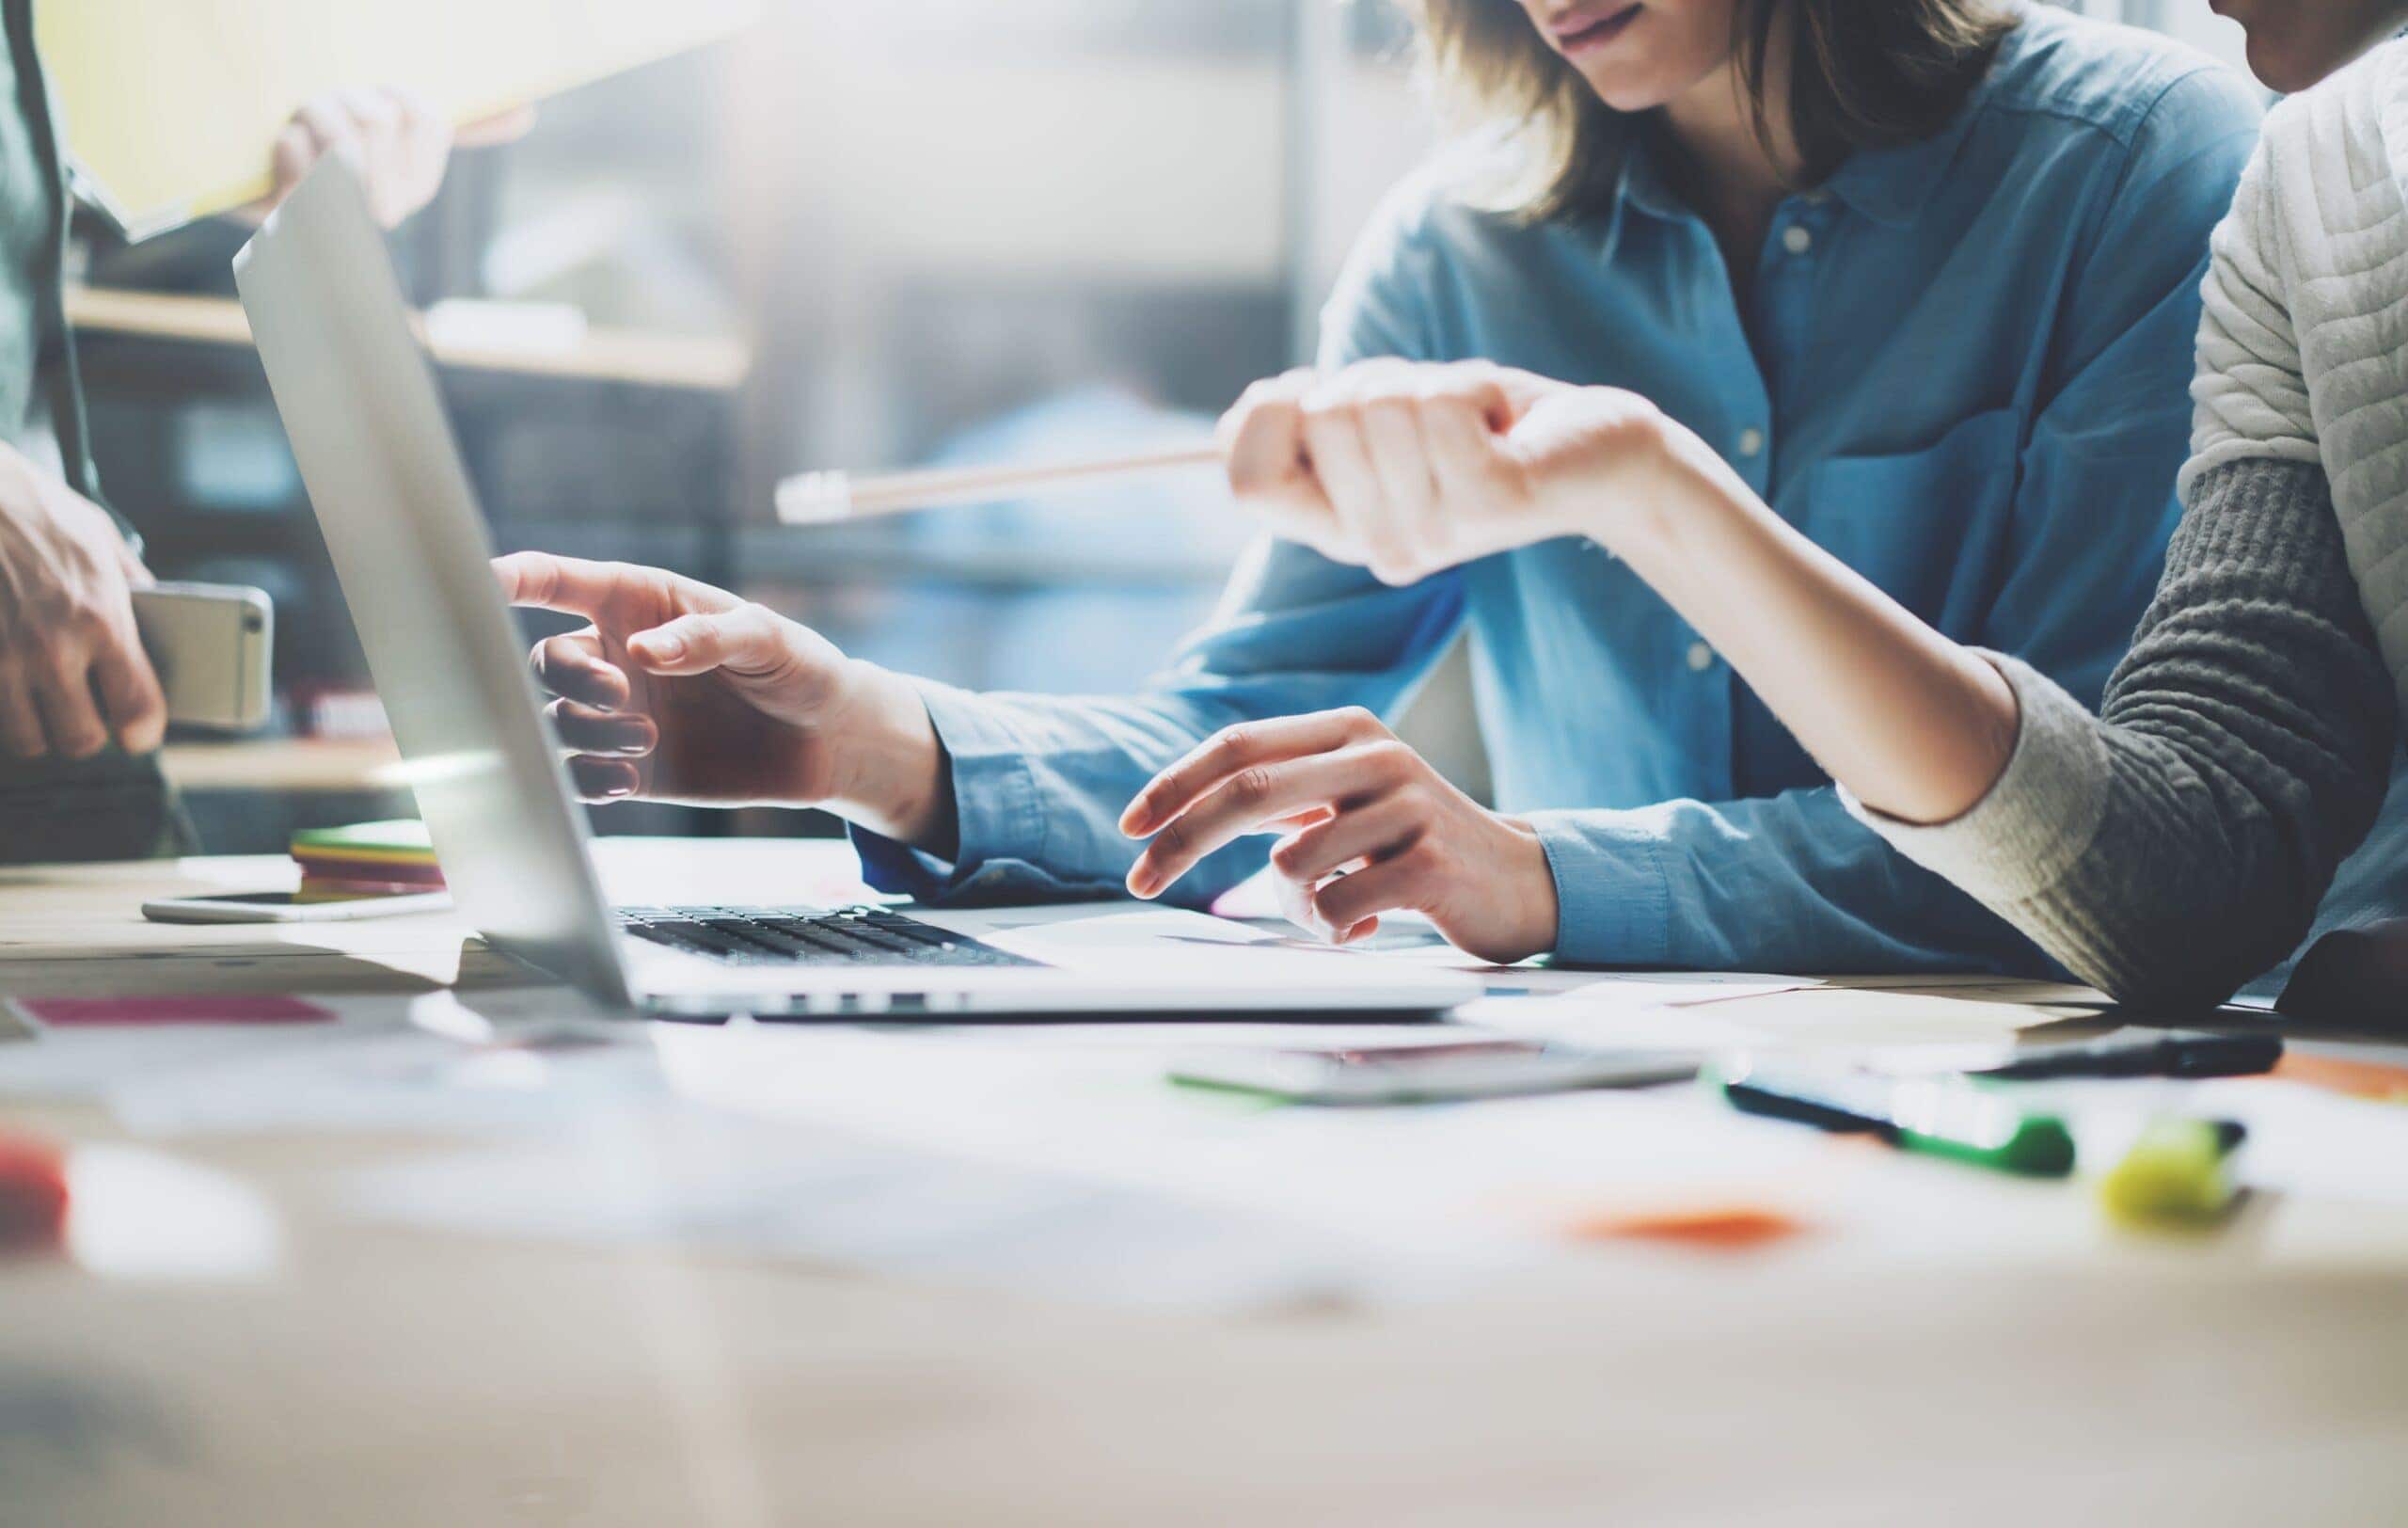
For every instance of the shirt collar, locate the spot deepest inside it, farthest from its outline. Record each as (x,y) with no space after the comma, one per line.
(1889,186)
(1892,185)
(1641,186)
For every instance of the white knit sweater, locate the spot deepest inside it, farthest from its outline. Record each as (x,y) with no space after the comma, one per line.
(2303,347)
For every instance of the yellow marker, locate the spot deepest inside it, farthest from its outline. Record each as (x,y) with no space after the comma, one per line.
(2177,1176)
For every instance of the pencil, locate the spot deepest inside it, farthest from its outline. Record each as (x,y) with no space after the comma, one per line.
(827,498)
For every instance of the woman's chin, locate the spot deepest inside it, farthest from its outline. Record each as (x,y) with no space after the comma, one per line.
(2279,66)
(2287,62)
(1630,97)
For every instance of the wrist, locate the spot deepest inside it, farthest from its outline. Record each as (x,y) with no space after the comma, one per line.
(1672,474)
(896,783)
(1534,907)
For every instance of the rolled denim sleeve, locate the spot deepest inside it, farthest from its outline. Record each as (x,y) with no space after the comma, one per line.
(1788,882)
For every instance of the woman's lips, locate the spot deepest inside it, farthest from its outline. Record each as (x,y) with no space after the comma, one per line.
(1589,35)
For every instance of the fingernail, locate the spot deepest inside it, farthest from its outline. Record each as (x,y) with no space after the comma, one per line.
(617,791)
(1141,886)
(665,649)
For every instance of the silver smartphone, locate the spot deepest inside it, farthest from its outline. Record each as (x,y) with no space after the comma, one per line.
(214,646)
(294,907)
(1486,1068)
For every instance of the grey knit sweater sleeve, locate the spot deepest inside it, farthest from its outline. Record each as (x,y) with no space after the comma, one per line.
(2176,845)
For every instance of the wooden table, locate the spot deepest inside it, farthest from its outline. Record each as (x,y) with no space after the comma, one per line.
(382,1375)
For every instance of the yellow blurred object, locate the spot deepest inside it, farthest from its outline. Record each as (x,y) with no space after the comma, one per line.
(171,106)
(2176,1177)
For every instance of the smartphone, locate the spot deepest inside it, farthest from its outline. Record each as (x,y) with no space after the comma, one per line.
(293,906)
(1430,1073)
(214,646)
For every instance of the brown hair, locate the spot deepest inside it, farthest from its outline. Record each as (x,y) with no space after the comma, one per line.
(1861,73)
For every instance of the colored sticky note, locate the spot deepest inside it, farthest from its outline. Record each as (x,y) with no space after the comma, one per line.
(72,1012)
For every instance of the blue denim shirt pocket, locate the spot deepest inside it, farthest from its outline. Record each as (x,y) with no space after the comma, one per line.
(1928,526)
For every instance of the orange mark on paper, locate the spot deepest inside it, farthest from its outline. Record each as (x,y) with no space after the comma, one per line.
(1736,1229)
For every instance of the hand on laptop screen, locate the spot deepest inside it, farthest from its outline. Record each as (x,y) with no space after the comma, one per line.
(681,691)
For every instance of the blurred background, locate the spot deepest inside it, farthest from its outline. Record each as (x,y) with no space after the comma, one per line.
(861,237)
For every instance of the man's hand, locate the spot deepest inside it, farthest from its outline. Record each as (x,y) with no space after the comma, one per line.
(397,142)
(72,674)
(1370,827)
(681,691)
(1408,469)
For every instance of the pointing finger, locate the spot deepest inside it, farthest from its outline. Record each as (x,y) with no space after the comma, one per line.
(572,585)
(1232,749)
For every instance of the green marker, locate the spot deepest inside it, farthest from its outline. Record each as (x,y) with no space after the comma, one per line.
(1941,1116)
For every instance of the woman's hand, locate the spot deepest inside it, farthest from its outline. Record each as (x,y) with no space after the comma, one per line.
(397,142)
(1407,469)
(1370,827)
(682,691)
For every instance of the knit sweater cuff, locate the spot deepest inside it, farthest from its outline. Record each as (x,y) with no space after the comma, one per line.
(2039,815)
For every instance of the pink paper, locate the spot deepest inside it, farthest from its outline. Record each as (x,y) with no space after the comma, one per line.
(67,1013)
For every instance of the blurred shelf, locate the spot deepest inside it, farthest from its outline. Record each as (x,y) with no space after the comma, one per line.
(308,766)
(699,362)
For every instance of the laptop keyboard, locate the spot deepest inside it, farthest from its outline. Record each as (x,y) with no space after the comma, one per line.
(808,936)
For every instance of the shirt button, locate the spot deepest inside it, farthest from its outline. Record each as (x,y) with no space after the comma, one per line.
(1751,442)
(1700,657)
(1796,239)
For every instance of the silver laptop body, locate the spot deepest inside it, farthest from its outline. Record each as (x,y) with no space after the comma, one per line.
(410,548)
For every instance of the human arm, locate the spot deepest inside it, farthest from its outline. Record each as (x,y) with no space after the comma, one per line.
(680,692)
(2178,844)
(956,794)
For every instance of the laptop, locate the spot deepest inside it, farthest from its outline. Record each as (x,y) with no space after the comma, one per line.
(410,548)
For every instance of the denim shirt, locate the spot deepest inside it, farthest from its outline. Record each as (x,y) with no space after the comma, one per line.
(1963,368)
